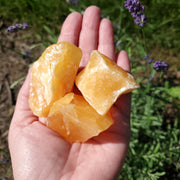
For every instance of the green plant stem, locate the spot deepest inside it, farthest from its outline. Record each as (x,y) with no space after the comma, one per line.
(146,50)
(144,40)
(120,18)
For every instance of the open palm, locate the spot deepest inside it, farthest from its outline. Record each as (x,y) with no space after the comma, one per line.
(39,153)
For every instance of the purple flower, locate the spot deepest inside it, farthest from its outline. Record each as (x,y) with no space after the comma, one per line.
(137,11)
(134,7)
(4,178)
(17,27)
(118,43)
(5,159)
(140,20)
(27,54)
(73,2)
(102,16)
(12,28)
(146,57)
(25,25)
(150,60)
(160,66)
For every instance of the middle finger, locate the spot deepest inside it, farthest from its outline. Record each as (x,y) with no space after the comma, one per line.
(88,40)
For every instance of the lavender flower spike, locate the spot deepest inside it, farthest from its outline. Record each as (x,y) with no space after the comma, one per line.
(137,11)
(160,66)
(141,20)
(134,7)
(17,27)
(12,28)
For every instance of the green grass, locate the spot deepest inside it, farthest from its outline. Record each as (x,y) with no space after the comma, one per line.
(154,148)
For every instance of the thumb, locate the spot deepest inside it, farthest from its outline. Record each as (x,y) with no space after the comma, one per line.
(23,114)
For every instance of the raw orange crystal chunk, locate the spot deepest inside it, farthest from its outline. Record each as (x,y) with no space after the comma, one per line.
(75,120)
(101,82)
(53,76)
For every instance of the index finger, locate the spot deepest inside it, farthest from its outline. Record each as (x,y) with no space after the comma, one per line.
(71,28)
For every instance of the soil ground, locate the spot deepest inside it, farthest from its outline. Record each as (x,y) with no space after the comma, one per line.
(14,65)
(15,58)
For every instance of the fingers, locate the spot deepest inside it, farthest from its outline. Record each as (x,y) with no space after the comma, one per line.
(123,60)
(71,28)
(23,96)
(123,103)
(89,33)
(88,39)
(106,39)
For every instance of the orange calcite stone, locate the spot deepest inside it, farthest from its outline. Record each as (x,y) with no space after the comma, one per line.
(101,82)
(53,76)
(75,120)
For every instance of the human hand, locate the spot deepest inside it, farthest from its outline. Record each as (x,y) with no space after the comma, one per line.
(38,153)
